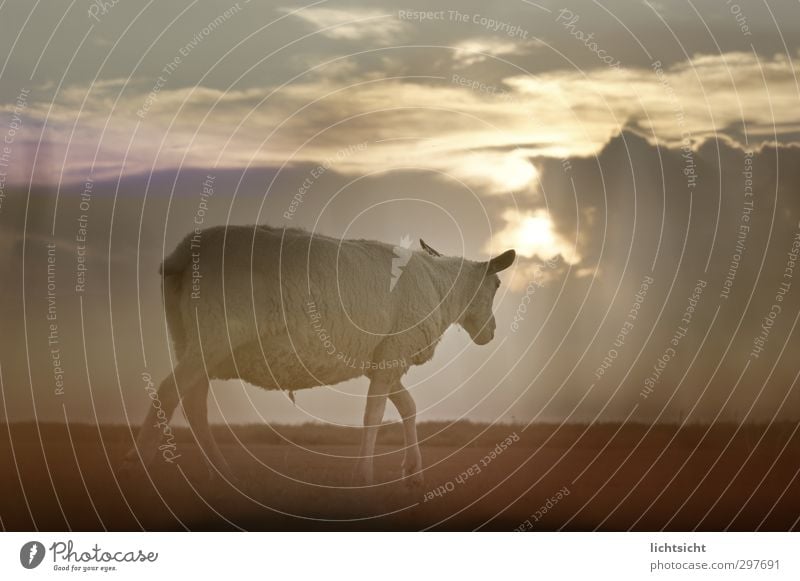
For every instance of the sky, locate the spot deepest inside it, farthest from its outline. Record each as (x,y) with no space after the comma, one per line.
(641,157)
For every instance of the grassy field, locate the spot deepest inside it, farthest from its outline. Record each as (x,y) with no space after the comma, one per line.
(547,477)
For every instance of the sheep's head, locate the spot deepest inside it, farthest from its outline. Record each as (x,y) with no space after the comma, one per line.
(481,285)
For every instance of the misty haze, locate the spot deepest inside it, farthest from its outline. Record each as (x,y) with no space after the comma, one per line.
(375,266)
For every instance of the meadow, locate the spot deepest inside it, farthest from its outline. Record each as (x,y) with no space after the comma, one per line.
(478,476)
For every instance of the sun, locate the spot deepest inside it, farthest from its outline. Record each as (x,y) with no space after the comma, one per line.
(532,234)
(535,233)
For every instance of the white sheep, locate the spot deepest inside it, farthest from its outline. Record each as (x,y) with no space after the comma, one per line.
(282,308)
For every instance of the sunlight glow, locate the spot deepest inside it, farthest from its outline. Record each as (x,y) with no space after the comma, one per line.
(532,234)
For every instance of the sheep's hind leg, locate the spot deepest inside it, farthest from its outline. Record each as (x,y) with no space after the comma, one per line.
(155,427)
(195,407)
(373,416)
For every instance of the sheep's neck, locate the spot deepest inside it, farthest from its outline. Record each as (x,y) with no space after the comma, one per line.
(453,291)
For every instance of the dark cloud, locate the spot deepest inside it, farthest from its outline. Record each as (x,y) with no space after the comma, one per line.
(629,210)
(635,216)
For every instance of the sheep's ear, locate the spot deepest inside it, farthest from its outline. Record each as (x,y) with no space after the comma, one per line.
(501,262)
(428,249)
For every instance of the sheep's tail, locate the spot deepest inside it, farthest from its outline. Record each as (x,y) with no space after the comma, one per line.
(171,271)
(176,262)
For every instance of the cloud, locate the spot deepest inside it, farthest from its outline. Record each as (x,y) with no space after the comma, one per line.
(636,218)
(478,50)
(352,24)
(495,172)
(705,95)
(484,134)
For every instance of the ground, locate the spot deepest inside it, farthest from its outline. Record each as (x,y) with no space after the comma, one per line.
(550,477)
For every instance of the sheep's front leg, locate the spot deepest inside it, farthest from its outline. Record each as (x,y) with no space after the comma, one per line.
(373,416)
(412,462)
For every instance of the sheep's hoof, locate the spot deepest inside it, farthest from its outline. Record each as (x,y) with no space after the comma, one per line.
(362,476)
(414,481)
